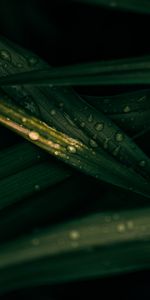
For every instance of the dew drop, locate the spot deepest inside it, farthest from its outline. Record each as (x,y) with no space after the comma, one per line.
(130,225)
(119,137)
(82,124)
(61,104)
(90,118)
(121,228)
(37,187)
(126,109)
(4,54)
(32,61)
(99,126)
(19,65)
(71,149)
(113,4)
(33,135)
(24,120)
(142,163)
(93,143)
(52,112)
(56,153)
(74,234)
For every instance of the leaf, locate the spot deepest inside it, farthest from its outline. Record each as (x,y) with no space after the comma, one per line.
(89,247)
(74,105)
(133,5)
(73,152)
(74,112)
(130,111)
(122,71)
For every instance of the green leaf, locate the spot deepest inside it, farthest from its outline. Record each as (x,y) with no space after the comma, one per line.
(121,71)
(89,247)
(138,6)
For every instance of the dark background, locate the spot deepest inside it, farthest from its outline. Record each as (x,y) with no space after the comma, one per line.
(63,33)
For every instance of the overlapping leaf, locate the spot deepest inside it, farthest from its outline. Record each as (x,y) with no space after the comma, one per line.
(96,245)
(69,113)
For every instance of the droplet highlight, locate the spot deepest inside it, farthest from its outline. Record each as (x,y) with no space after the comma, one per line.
(33,135)
(127,109)
(71,149)
(99,126)
(119,137)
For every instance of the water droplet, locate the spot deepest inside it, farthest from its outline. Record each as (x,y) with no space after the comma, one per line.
(35,242)
(126,109)
(33,135)
(99,126)
(130,188)
(142,163)
(113,4)
(37,187)
(74,234)
(90,118)
(57,146)
(4,54)
(32,61)
(141,99)
(56,153)
(130,225)
(82,124)
(121,227)
(24,120)
(71,149)
(19,65)
(93,143)
(52,112)
(119,137)
(61,104)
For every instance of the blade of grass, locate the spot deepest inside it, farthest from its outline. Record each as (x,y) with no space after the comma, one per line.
(19,157)
(127,71)
(76,109)
(84,248)
(140,6)
(126,103)
(29,181)
(48,205)
(102,130)
(55,204)
(71,151)
(78,112)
